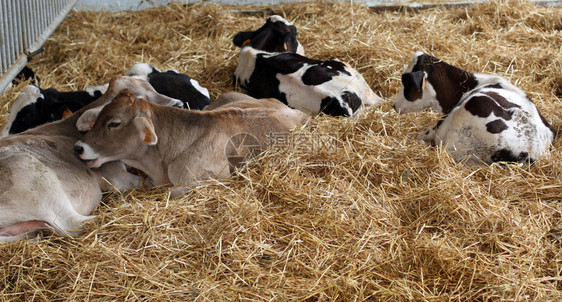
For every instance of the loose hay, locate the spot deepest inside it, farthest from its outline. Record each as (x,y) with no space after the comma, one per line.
(350,209)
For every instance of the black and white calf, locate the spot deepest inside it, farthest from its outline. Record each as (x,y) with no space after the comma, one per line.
(276,35)
(24,75)
(312,86)
(487,119)
(36,106)
(173,84)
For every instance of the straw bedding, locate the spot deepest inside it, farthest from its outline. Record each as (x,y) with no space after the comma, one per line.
(348,209)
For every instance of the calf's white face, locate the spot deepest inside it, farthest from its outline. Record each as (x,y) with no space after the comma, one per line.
(417,93)
(122,129)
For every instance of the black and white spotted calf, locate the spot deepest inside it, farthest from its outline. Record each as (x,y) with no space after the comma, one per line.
(173,84)
(26,74)
(36,106)
(487,119)
(276,35)
(270,66)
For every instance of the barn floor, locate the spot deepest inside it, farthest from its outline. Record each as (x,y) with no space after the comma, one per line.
(350,209)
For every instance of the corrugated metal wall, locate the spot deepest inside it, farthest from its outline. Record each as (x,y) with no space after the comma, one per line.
(24,26)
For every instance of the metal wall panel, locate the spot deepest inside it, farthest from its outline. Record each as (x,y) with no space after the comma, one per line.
(25,25)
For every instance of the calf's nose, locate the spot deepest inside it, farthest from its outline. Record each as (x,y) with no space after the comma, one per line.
(78,149)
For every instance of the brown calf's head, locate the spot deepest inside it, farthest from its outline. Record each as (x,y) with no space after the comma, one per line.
(122,129)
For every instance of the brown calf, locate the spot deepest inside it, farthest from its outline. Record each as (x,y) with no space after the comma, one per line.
(181,147)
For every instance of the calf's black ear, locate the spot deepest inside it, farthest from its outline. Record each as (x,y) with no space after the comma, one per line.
(414,79)
(241,38)
(290,43)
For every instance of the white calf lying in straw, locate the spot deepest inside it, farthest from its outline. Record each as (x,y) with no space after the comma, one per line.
(182,147)
(487,118)
(44,185)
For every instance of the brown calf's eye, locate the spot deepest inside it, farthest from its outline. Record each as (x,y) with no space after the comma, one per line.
(113,124)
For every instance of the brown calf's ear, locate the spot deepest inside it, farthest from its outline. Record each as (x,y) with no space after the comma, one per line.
(86,121)
(147,136)
(146,130)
